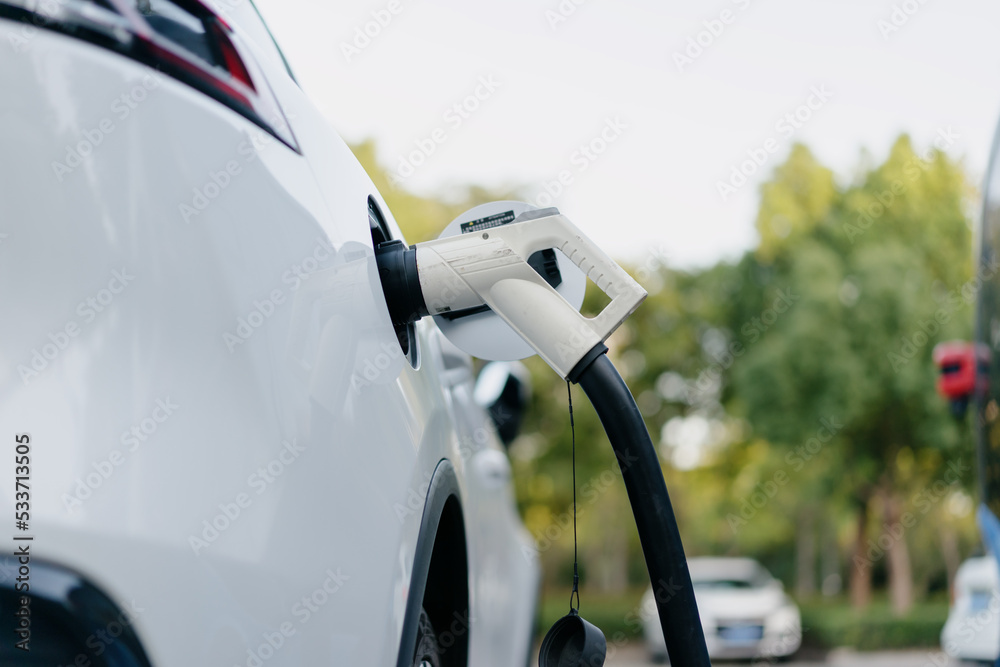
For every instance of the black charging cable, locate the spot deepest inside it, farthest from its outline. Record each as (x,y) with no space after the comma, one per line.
(654,514)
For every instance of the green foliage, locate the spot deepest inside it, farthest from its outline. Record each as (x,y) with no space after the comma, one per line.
(834,624)
(794,202)
(872,303)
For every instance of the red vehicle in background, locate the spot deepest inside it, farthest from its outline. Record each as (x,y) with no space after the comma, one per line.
(957,361)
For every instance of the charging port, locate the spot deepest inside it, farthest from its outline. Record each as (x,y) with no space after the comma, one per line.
(399,280)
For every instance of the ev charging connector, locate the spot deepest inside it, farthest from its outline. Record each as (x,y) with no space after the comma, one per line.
(460,273)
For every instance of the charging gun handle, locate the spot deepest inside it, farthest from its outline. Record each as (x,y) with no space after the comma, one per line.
(491,267)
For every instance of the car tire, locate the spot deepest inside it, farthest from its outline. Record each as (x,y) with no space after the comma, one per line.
(427,652)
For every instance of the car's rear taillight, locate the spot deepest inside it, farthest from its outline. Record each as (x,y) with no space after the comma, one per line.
(231,59)
(183,39)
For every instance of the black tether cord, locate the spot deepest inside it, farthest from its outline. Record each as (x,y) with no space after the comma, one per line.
(576,560)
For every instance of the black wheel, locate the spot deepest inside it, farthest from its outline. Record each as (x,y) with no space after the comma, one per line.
(427,653)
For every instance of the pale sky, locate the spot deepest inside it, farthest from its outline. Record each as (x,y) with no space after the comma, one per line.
(669,136)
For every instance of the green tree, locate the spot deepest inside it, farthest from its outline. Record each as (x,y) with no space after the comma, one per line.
(871,268)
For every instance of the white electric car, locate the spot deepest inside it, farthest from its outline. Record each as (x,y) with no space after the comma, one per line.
(217,448)
(971,631)
(744,611)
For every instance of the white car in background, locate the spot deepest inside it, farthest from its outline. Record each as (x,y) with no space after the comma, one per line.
(972,631)
(229,454)
(744,611)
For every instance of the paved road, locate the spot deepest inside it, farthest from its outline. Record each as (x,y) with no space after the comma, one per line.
(634,655)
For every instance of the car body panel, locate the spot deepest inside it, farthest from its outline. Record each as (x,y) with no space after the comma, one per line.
(304,445)
(971,631)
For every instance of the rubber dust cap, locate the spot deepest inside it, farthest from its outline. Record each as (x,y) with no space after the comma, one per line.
(573,642)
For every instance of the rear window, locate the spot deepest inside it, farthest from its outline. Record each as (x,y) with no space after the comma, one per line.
(181,27)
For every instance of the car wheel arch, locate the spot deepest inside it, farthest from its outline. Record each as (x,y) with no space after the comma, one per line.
(439,579)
